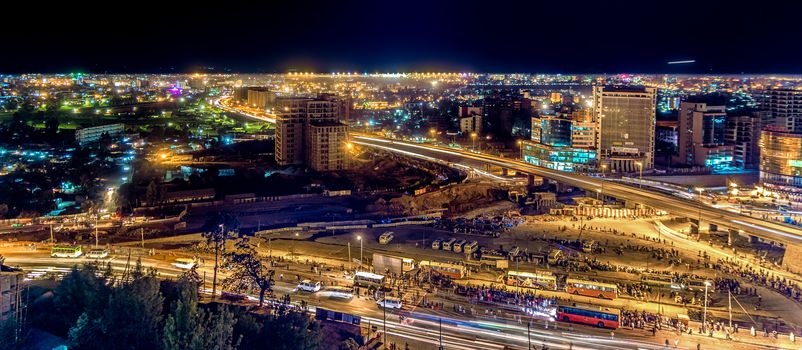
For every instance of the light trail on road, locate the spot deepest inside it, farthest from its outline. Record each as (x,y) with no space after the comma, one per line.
(678,206)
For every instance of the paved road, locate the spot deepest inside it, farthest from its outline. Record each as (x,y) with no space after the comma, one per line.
(675,205)
(417,326)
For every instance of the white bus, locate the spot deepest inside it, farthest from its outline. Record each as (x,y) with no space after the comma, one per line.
(437,243)
(470,248)
(447,244)
(97,253)
(539,280)
(65,251)
(457,247)
(367,279)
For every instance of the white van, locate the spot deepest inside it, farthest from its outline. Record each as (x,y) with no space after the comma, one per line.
(386,237)
(390,303)
(309,286)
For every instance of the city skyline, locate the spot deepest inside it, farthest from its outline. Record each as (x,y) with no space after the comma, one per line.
(475,36)
(474,175)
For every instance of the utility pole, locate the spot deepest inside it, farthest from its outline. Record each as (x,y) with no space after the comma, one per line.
(528,338)
(51,234)
(729,305)
(96,233)
(142,235)
(384,311)
(349,256)
(440,322)
(704,317)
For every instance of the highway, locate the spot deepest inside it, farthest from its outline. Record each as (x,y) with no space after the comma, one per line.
(675,205)
(679,206)
(420,326)
(224,102)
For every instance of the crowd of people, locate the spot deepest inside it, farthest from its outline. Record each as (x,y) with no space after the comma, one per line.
(782,285)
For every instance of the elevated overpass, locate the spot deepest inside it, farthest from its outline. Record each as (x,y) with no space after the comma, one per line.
(786,234)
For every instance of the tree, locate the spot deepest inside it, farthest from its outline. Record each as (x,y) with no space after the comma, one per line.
(193,328)
(134,312)
(291,330)
(217,230)
(8,334)
(152,193)
(286,329)
(51,126)
(249,271)
(81,292)
(129,319)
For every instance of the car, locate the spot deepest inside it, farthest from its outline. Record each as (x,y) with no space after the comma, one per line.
(390,303)
(386,237)
(185,263)
(309,286)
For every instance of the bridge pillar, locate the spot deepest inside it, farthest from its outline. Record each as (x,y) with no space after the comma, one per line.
(505,171)
(731,235)
(697,226)
(792,260)
(530,180)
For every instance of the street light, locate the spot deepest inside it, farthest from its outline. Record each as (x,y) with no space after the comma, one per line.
(700,190)
(704,317)
(521,148)
(359,238)
(434,134)
(604,170)
(473,140)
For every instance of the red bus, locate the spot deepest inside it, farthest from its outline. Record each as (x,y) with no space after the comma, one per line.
(598,316)
(591,289)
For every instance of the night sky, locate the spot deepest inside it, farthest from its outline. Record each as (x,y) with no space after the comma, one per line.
(559,36)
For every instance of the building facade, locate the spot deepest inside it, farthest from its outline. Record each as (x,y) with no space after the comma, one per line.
(701,137)
(781,163)
(326,145)
(626,122)
(306,129)
(784,107)
(92,134)
(10,292)
(565,141)
(261,98)
(743,133)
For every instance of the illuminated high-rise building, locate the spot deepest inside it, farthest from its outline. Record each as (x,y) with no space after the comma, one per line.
(564,141)
(781,163)
(626,122)
(743,133)
(784,107)
(261,98)
(701,136)
(308,131)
